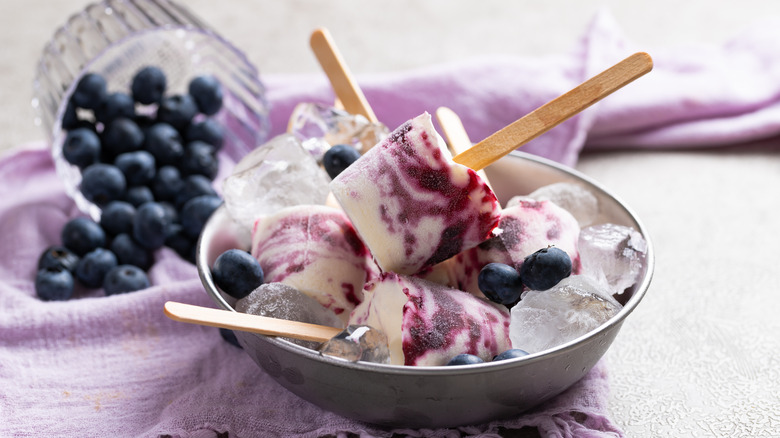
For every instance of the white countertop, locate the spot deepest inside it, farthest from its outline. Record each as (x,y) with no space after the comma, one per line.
(699,357)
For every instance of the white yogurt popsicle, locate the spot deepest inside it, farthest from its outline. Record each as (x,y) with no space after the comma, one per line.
(314,249)
(411,204)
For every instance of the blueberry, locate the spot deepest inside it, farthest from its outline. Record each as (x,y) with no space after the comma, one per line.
(82,235)
(139,167)
(139,195)
(125,278)
(94,266)
(167,183)
(114,106)
(57,256)
(90,91)
(170,211)
(510,354)
(465,359)
(177,110)
(207,92)
(70,118)
(500,283)
(208,131)
(117,218)
(338,158)
(230,337)
(102,183)
(150,225)
(164,142)
(196,212)
(180,242)
(81,147)
(54,284)
(545,268)
(148,85)
(121,136)
(129,252)
(194,185)
(237,273)
(200,159)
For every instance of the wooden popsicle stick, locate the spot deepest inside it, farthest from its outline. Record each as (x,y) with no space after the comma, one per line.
(248,323)
(344,84)
(456,135)
(556,111)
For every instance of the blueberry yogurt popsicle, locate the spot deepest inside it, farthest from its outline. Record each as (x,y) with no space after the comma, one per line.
(411,204)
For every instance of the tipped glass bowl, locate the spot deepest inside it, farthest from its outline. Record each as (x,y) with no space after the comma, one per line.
(441,396)
(116,38)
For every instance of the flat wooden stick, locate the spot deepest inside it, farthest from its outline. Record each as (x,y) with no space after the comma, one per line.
(248,323)
(456,135)
(556,111)
(344,84)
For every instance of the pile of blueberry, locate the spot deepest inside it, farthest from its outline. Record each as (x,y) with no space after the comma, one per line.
(147,160)
(541,270)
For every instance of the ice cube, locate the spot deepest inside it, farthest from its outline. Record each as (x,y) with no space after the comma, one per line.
(276,175)
(277,300)
(577,200)
(318,127)
(612,254)
(359,342)
(568,310)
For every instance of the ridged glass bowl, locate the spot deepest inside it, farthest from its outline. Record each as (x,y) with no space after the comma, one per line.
(116,38)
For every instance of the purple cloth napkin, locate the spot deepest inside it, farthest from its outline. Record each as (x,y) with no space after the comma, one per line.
(116,366)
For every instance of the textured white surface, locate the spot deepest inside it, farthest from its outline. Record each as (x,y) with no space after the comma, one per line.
(700,356)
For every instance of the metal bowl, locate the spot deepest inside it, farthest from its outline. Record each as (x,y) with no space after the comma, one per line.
(429,397)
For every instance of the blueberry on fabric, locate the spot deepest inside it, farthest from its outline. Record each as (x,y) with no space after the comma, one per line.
(500,283)
(139,167)
(237,273)
(167,183)
(130,252)
(510,354)
(90,91)
(200,159)
(54,284)
(82,235)
(102,183)
(58,256)
(194,185)
(180,242)
(196,212)
(465,359)
(164,142)
(117,218)
(148,85)
(114,106)
(338,158)
(81,147)
(139,195)
(208,131)
(230,337)
(125,278)
(207,92)
(545,268)
(150,225)
(177,110)
(93,267)
(121,136)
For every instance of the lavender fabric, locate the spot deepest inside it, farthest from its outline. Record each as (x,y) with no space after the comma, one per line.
(116,366)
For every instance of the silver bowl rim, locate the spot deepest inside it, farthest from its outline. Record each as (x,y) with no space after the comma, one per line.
(639,292)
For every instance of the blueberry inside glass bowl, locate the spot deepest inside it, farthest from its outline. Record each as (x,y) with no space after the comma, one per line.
(117,38)
(439,396)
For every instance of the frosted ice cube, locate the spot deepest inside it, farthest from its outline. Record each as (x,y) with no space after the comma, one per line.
(568,310)
(277,300)
(577,200)
(359,342)
(318,127)
(612,254)
(277,174)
